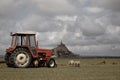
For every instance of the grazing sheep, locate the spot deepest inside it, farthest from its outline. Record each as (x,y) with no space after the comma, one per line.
(77,63)
(74,63)
(71,63)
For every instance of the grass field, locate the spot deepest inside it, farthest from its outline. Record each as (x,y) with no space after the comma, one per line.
(90,69)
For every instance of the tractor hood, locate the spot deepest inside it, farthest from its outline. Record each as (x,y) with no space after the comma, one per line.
(45,50)
(48,52)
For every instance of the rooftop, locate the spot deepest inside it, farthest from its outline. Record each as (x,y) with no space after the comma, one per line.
(23,33)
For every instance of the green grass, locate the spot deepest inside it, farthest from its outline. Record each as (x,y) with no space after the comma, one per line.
(90,69)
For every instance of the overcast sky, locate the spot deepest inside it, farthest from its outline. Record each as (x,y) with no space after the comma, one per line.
(87,27)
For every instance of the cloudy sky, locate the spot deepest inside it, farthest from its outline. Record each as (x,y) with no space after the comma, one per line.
(87,27)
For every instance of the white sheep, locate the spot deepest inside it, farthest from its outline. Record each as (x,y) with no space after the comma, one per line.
(71,63)
(74,63)
(77,63)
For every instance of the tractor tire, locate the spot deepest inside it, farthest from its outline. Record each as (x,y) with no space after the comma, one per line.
(20,58)
(51,63)
(7,60)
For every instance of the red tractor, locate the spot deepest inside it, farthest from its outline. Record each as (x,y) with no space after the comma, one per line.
(24,52)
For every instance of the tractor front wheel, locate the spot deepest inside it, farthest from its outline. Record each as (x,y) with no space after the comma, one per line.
(51,63)
(20,58)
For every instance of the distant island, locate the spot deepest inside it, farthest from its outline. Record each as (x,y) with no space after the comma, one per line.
(62,51)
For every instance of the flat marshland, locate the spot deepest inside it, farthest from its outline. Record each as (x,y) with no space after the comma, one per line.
(90,69)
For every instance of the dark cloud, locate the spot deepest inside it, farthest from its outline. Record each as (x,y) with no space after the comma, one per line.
(89,27)
(40,24)
(108,4)
(53,7)
(115,18)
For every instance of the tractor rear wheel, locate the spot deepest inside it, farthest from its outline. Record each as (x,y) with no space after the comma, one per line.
(51,63)
(20,58)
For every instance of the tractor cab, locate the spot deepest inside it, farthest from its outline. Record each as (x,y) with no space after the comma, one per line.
(23,39)
(26,40)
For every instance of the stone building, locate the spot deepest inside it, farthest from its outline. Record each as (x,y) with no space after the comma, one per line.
(62,51)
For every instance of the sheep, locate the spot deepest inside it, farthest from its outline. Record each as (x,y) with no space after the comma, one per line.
(71,63)
(74,63)
(77,63)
